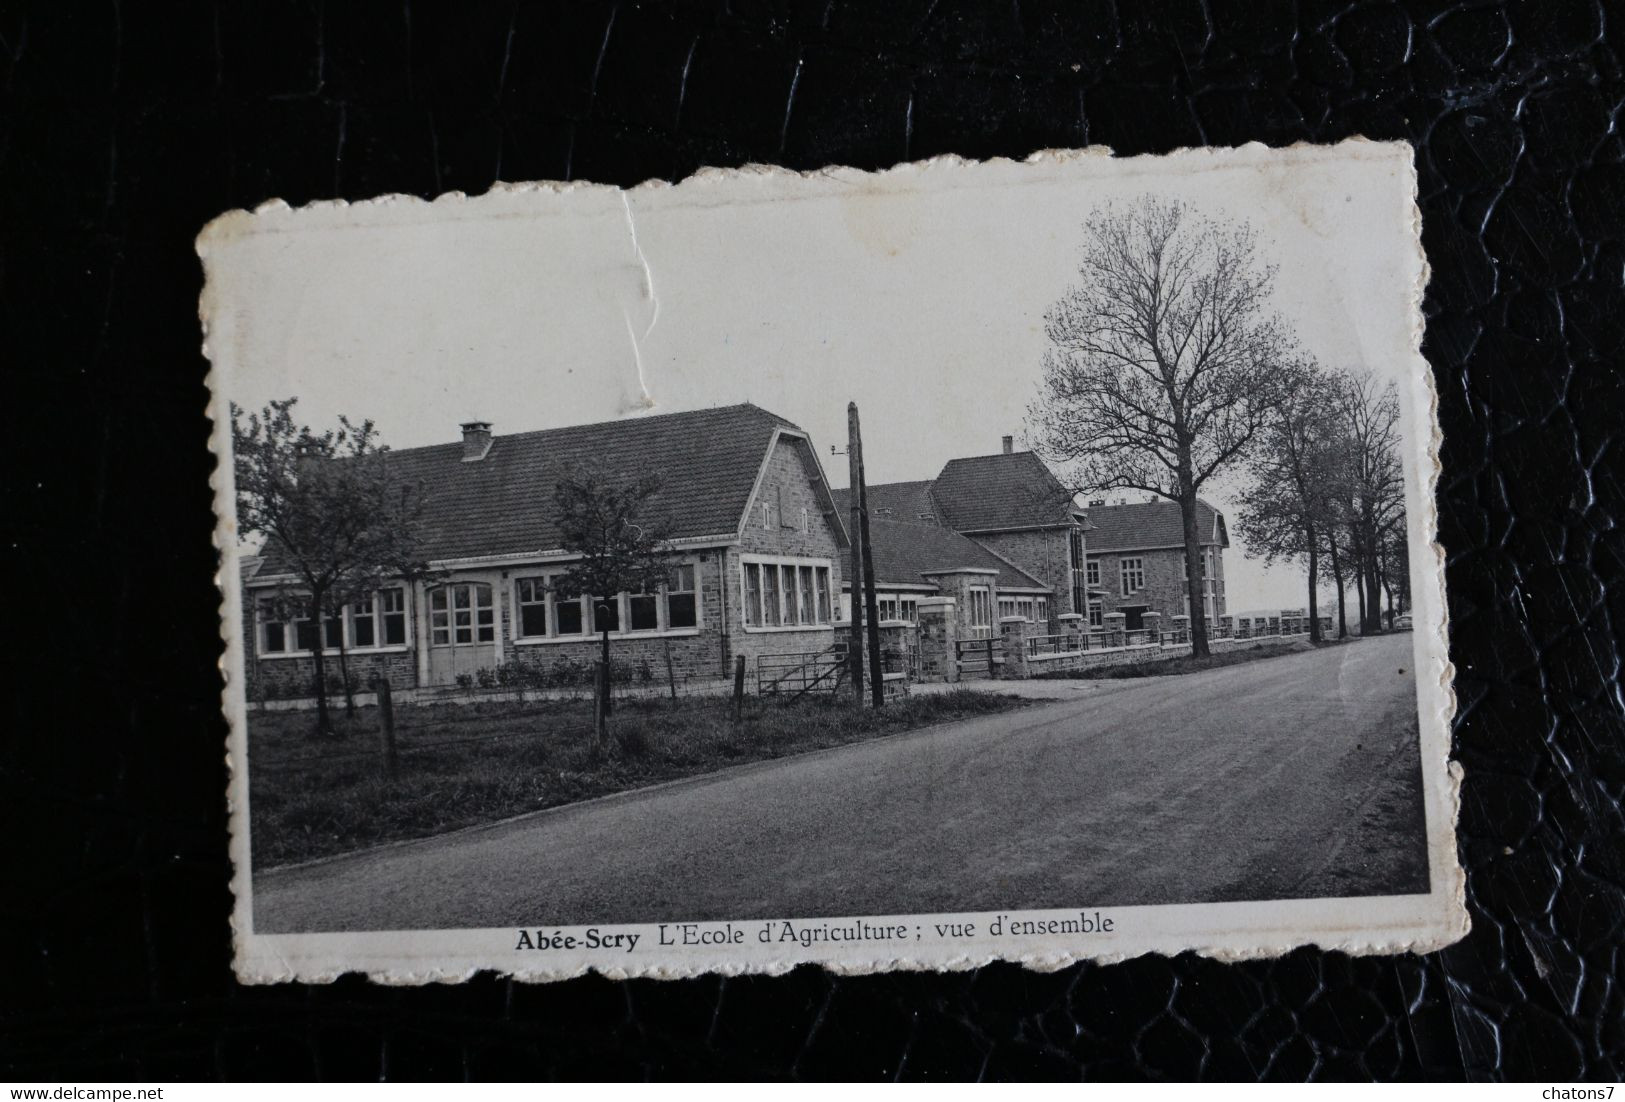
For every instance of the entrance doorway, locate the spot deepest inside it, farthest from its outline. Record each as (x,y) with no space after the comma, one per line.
(462,631)
(1133,616)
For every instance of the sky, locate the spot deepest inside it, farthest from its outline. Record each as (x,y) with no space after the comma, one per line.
(919,293)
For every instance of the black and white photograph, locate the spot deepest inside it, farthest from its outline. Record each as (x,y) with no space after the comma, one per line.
(969,561)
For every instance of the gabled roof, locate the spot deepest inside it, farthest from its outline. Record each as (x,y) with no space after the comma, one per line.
(990,493)
(502,504)
(1148,526)
(909,502)
(904,553)
(985,493)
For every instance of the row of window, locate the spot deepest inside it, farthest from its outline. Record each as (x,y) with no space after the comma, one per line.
(1028,608)
(786,594)
(543,614)
(378,620)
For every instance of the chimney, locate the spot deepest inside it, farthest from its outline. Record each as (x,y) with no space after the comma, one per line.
(476,440)
(1009,444)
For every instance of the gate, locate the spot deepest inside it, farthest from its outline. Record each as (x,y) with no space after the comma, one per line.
(979,658)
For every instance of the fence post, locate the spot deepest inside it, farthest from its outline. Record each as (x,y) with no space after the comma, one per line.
(386,724)
(671,674)
(739,689)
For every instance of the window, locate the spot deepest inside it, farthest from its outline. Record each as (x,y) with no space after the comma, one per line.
(1092,572)
(980,610)
(356,627)
(532,607)
(753,594)
(1133,575)
(1097,615)
(567,617)
(606,614)
(682,609)
(1041,608)
(808,606)
(461,615)
(643,611)
(362,623)
(392,602)
(772,609)
(786,593)
(273,632)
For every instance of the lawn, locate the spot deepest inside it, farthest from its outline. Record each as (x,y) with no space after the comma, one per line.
(1166,666)
(465,764)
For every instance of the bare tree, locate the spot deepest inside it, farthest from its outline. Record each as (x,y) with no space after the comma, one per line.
(1161,361)
(1290,509)
(1373,495)
(330,504)
(602,519)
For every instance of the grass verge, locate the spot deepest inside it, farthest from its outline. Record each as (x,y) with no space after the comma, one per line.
(462,765)
(1166,666)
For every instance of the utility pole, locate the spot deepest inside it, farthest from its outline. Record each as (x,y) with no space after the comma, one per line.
(854,466)
(871,613)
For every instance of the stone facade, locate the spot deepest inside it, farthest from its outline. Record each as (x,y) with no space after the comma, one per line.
(1042,552)
(1164,587)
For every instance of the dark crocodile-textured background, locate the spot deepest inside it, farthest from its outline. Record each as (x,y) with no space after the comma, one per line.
(125,126)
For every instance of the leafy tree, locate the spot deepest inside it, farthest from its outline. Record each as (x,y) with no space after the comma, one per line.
(1291,507)
(600,518)
(331,505)
(1161,361)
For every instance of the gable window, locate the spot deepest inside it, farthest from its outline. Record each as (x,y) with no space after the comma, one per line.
(785,592)
(1132,573)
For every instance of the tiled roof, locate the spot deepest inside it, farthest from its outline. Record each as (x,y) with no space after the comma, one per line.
(994,492)
(1152,524)
(503,504)
(903,552)
(909,502)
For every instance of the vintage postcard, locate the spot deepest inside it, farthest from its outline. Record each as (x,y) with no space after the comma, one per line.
(962,562)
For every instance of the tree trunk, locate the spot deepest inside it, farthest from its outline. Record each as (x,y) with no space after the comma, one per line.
(324,723)
(1193,576)
(1373,592)
(603,704)
(344,674)
(1342,589)
(1314,582)
(1359,596)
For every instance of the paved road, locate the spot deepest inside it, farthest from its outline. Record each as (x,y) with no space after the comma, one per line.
(1289,777)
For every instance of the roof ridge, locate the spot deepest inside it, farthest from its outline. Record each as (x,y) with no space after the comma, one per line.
(528,434)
